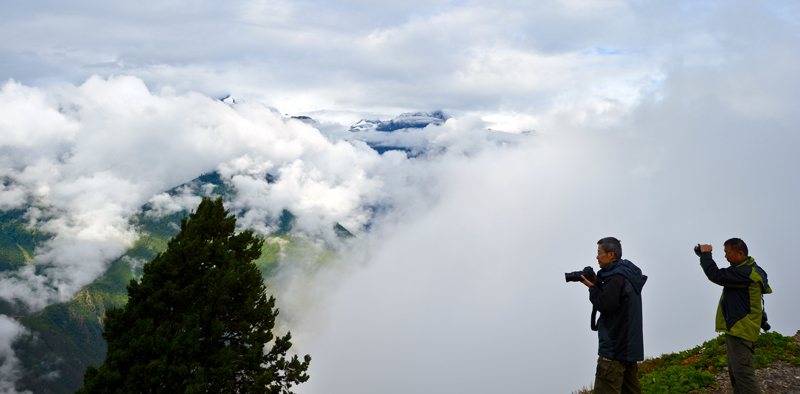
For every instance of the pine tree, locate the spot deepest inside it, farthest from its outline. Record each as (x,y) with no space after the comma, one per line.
(199,320)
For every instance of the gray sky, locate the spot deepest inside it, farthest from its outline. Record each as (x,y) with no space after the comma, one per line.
(662,123)
(465,57)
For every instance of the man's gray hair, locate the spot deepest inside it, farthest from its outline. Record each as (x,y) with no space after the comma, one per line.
(611,244)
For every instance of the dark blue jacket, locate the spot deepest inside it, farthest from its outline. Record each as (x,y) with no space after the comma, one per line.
(618,297)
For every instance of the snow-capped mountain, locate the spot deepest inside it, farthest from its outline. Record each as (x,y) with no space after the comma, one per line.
(408,120)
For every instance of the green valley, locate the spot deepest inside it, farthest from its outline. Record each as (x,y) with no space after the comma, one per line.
(66,338)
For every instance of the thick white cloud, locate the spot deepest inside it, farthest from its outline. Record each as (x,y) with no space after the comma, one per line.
(104,148)
(470,296)
(10,331)
(469,57)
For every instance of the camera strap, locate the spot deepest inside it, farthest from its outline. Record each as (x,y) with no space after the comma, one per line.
(593,324)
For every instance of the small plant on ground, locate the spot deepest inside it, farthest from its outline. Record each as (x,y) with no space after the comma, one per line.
(585,390)
(773,347)
(676,379)
(693,369)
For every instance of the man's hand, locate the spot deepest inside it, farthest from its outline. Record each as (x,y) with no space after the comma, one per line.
(703,248)
(586,281)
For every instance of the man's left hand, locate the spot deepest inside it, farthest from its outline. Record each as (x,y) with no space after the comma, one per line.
(586,281)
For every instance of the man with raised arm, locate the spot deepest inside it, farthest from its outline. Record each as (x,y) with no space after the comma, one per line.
(740,314)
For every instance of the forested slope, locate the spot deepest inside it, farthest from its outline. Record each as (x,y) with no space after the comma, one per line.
(65,338)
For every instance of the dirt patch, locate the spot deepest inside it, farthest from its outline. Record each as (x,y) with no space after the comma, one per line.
(782,378)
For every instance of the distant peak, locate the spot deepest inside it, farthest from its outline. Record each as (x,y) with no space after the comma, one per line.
(305,119)
(365,125)
(229,100)
(408,120)
(435,114)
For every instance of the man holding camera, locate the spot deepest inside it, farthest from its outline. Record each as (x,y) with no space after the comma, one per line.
(616,293)
(740,314)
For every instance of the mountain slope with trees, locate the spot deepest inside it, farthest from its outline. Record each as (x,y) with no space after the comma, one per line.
(199,319)
(64,339)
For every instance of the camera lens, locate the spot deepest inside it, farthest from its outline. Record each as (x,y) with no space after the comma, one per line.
(569,276)
(573,276)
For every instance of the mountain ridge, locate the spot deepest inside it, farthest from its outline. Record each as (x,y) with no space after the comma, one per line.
(64,338)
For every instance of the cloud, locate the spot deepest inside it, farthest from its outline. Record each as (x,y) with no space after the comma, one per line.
(164,204)
(10,331)
(11,197)
(103,149)
(470,295)
(469,57)
(108,146)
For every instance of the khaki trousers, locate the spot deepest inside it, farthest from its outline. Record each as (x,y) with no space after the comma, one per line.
(741,365)
(617,377)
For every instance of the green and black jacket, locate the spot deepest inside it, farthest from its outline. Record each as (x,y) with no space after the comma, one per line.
(740,309)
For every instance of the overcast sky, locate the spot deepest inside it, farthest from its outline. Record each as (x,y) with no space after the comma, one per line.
(662,123)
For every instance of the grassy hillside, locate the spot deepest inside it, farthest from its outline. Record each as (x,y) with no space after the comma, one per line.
(18,245)
(66,338)
(693,370)
(17,242)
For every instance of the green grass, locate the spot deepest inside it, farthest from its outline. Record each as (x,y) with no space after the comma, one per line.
(676,379)
(711,355)
(692,371)
(270,256)
(17,242)
(772,347)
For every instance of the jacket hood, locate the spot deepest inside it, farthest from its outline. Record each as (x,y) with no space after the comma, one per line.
(627,269)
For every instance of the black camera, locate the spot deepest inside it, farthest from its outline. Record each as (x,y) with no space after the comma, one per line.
(697,249)
(764,325)
(587,272)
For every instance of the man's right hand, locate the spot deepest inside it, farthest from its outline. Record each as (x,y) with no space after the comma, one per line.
(702,248)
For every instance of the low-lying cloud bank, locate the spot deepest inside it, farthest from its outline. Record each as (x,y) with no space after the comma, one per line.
(470,296)
(83,159)
(10,331)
